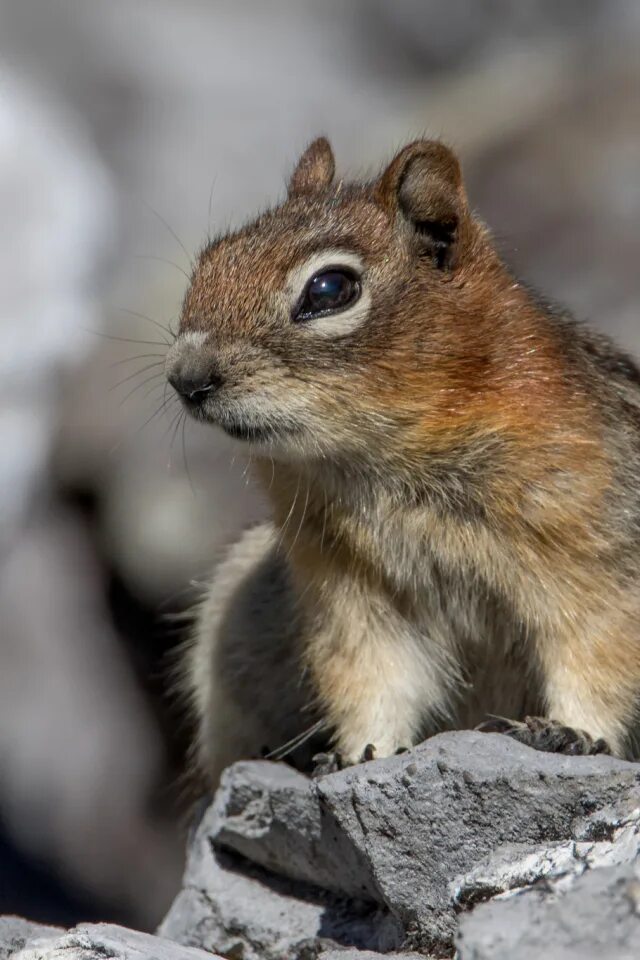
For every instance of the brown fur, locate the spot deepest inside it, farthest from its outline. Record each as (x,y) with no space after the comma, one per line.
(454,482)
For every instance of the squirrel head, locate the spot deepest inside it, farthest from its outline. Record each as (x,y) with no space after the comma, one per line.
(351,321)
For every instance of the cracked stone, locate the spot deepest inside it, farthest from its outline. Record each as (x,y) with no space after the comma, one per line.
(377,833)
(89,941)
(598,917)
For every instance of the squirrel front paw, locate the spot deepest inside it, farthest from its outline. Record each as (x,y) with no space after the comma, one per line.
(546,735)
(325,763)
(331,762)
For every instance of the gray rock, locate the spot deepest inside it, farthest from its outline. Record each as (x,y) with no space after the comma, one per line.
(599,917)
(95,941)
(231,906)
(16,932)
(271,814)
(349,954)
(383,831)
(425,817)
(516,866)
(390,856)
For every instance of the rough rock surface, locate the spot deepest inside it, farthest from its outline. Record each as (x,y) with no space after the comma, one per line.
(23,940)
(599,917)
(387,855)
(347,953)
(238,909)
(470,843)
(16,932)
(517,866)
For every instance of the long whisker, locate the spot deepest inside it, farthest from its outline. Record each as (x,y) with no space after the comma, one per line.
(171,231)
(162,406)
(156,386)
(247,468)
(138,356)
(283,529)
(213,183)
(143,316)
(300,525)
(139,386)
(137,373)
(184,454)
(280,752)
(173,428)
(171,424)
(171,263)
(156,413)
(109,336)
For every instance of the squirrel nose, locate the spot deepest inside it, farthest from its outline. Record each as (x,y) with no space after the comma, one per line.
(194,386)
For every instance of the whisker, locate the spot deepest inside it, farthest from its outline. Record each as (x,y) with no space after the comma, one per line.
(280,752)
(302,516)
(171,231)
(159,410)
(109,336)
(283,529)
(156,386)
(173,421)
(138,356)
(173,428)
(247,468)
(143,316)
(137,373)
(171,263)
(213,183)
(139,386)
(184,454)
(162,406)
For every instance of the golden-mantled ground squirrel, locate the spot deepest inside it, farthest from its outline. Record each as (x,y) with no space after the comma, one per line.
(454,472)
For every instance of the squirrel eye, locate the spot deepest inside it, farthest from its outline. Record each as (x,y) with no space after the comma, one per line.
(328,292)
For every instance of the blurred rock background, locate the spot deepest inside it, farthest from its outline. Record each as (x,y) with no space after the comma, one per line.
(129,129)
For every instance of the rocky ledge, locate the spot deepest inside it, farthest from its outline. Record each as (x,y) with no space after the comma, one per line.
(469,845)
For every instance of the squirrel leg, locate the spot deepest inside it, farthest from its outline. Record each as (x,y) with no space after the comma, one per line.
(591,676)
(376,682)
(589,663)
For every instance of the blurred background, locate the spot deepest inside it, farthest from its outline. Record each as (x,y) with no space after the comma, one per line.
(128,130)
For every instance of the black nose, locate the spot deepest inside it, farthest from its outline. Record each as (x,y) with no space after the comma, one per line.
(194,387)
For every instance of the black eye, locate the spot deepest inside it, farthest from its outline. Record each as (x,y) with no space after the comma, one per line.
(328,292)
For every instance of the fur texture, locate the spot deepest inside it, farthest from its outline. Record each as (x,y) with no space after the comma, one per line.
(453,474)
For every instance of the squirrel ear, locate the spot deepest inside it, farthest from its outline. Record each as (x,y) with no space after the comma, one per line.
(314,170)
(423,186)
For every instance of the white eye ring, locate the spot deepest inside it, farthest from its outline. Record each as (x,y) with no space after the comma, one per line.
(343,321)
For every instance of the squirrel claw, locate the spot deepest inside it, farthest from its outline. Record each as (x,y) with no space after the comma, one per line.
(546,735)
(325,763)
